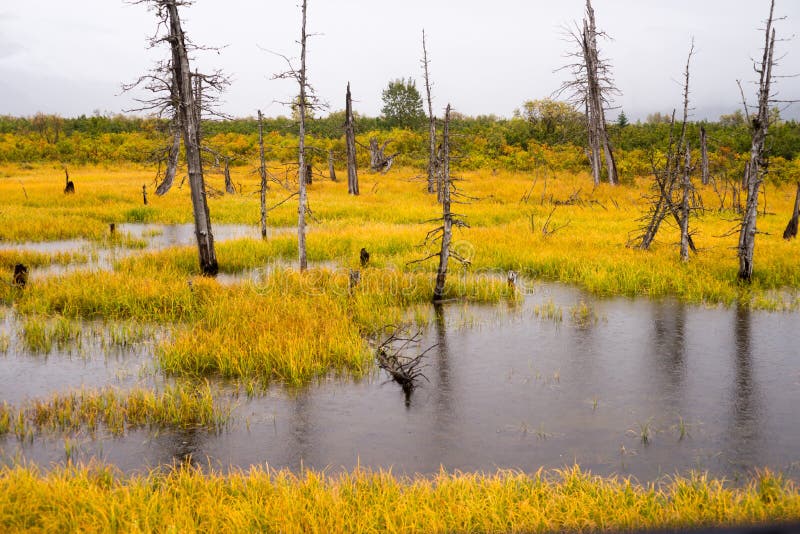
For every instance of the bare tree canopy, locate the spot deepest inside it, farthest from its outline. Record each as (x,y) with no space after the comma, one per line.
(174,93)
(590,88)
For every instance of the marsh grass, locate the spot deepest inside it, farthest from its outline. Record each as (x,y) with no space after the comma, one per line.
(179,406)
(185,499)
(590,253)
(292,328)
(549,310)
(582,314)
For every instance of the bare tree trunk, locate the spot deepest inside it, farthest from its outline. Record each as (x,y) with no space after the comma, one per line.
(350,142)
(667,181)
(431,121)
(331,168)
(791,228)
(263,172)
(685,207)
(378,160)
(172,164)
(447,220)
(198,102)
(759,125)
(594,150)
(704,156)
(595,104)
(439,180)
(191,138)
(228,183)
(303,170)
(611,162)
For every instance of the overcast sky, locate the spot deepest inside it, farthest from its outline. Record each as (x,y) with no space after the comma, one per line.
(487,56)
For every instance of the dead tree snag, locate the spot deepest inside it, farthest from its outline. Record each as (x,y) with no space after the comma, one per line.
(791,228)
(350,143)
(431,120)
(756,167)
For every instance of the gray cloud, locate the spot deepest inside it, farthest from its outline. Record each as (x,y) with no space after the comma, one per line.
(487,57)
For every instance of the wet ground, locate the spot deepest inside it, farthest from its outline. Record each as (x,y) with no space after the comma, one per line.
(650,388)
(629,386)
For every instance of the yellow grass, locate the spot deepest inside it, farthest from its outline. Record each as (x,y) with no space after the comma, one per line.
(294,327)
(97,499)
(181,406)
(291,327)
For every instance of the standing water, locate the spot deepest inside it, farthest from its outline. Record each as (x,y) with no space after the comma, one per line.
(628,386)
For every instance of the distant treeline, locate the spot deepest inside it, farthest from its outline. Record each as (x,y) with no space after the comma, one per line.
(524,142)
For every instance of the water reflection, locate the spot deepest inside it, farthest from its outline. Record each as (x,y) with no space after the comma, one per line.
(744,421)
(669,350)
(509,389)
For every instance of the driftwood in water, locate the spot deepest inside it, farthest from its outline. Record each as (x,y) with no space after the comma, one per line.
(20,275)
(70,187)
(405,370)
(791,228)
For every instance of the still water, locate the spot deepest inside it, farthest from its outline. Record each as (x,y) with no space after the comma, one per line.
(641,387)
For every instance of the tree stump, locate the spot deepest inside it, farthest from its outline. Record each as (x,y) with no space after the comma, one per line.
(20,276)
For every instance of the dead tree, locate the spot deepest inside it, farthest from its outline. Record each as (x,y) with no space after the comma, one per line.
(262,169)
(791,228)
(190,114)
(69,188)
(391,357)
(686,186)
(301,162)
(704,157)
(350,142)
(20,279)
(378,160)
(331,168)
(172,162)
(431,120)
(229,188)
(306,101)
(669,176)
(756,167)
(174,87)
(174,149)
(444,233)
(590,88)
(447,218)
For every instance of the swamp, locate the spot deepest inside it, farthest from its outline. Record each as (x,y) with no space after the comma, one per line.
(550,322)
